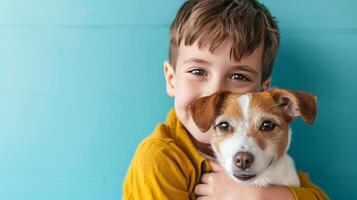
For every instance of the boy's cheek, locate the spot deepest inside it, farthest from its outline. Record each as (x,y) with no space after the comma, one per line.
(183,101)
(184,97)
(187,92)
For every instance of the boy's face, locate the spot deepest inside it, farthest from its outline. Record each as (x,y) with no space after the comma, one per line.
(199,73)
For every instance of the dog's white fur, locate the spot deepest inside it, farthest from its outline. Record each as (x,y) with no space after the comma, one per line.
(280,172)
(252,145)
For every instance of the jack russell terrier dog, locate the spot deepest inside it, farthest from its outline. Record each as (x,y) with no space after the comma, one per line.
(250,133)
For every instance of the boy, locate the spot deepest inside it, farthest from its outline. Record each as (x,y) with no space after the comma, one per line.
(214,45)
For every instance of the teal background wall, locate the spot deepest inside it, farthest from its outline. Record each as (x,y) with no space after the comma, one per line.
(81,84)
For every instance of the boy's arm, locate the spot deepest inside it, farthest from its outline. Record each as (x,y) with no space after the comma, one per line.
(308,190)
(154,174)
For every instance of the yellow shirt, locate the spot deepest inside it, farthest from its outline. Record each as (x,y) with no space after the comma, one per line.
(166,165)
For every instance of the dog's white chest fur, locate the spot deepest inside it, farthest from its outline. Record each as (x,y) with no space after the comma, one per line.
(281,172)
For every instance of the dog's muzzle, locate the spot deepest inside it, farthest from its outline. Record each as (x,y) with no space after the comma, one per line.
(243,161)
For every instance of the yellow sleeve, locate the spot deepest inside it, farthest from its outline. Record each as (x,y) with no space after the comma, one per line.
(155,174)
(308,190)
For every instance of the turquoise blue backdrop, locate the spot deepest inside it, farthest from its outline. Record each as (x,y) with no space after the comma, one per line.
(81,84)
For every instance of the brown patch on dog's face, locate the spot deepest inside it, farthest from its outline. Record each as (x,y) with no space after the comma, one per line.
(266,110)
(231,110)
(280,107)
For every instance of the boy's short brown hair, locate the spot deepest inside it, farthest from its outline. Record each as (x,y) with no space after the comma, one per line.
(247,23)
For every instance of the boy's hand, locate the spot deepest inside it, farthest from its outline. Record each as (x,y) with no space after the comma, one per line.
(218,185)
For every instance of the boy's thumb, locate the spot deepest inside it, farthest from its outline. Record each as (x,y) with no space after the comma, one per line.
(216,167)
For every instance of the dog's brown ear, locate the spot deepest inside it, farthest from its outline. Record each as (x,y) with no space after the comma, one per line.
(296,103)
(205,110)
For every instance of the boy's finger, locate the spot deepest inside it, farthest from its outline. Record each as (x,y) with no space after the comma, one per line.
(201,189)
(205,178)
(216,167)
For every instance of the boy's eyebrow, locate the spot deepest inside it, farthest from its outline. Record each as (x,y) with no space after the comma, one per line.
(241,67)
(246,68)
(196,60)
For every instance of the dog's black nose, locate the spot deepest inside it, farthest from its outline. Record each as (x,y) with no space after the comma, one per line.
(243,160)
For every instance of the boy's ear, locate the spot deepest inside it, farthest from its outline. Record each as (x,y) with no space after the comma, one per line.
(295,104)
(169,74)
(205,110)
(266,84)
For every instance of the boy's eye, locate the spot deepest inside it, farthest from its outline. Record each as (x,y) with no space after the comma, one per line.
(239,77)
(197,72)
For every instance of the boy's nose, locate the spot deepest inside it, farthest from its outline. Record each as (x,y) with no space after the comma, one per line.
(216,86)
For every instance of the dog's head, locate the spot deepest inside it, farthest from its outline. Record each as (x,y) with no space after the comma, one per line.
(249,132)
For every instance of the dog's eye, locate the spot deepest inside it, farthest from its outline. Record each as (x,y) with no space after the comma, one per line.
(267,126)
(224,126)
